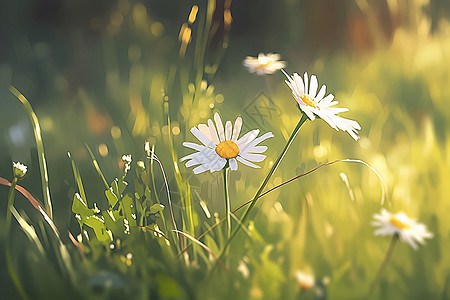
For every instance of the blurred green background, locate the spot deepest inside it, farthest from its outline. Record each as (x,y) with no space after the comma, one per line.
(104,72)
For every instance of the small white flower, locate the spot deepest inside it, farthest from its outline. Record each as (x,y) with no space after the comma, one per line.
(147,148)
(313,103)
(264,64)
(305,281)
(408,229)
(220,146)
(141,164)
(243,269)
(126,159)
(19,170)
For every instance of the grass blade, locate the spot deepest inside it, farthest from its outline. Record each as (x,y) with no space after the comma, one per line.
(40,149)
(96,166)
(196,241)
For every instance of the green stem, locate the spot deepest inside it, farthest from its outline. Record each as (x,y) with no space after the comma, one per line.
(151,157)
(10,204)
(227,201)
(384,264)
(263,185)
(8,257)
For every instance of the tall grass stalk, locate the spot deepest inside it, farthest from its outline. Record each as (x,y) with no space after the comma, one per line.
(383,265)
(8,257)
(40,149)
(263,185)
(200,47)
(96,166)
(151,156)
(184,187)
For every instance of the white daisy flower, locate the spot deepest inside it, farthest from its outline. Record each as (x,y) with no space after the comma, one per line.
(220,146)
(305,280)
(408,229)
(264,64)
(313,103)
(19,170)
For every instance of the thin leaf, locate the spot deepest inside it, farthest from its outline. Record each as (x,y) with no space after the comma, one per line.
(40,148)
(29,230)
(96,166)
(204,247)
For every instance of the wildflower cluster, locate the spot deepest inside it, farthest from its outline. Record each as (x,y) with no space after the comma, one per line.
(221,148)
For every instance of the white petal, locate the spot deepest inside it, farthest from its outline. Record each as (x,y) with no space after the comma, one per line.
(219,126)
(257,149)
(250,145)
(233,164)
(248,137)
(350,126)
(353,134)
(190,156)
(201,137)
(336,110)
(313,88)
(213,132)
(217,164)
(274,56)
(228,130)
(205,156)
(205,130)
(305,76)
(246,162)
(299,87)
(200,169)
(237,129)
(193,162)
(321,93)
(252,157)
(327,100)
(194,146)
(329,118)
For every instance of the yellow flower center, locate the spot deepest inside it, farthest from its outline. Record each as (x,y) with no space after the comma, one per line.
(309,101)
(398,223)
(227,149)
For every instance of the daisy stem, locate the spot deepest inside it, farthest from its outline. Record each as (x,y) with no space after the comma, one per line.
(8,257)
(263,185)
(384,264)
(227,201)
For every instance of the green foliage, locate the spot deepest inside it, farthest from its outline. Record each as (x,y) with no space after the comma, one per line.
(124,213)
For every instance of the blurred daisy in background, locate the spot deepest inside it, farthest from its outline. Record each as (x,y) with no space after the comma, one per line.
(264,64)
(221,146)
(313,103)
(407,229)
(305,280)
